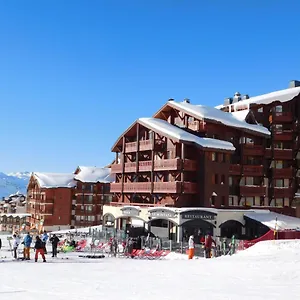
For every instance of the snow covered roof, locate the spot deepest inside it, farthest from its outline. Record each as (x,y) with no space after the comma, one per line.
(54,180)
(94,174)
(241,115)
(218,116)
(281,96)
(174,132)
(268,218)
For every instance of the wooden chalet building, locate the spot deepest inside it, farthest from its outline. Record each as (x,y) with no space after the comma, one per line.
(279,112)
(92,191)
(240,155)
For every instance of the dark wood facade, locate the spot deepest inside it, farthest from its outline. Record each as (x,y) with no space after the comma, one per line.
(261,173)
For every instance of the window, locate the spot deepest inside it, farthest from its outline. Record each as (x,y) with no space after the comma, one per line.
(278,128)
(278,145)
(230,181)
(257,201)
(279,202)
(213,200)
(260,110)
(91,218)
(282,183)
(278,164)
(90,198)
(230,201)
(249,201)
(242,202)
(83,187)
(278,108)
(215,178)
(213,156)
(89,207)
(286,202)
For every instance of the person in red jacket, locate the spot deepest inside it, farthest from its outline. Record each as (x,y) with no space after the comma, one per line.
(208,244)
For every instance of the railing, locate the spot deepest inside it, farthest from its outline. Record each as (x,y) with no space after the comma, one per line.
(175,187)
(252,150)
(282,173)
(159,165)
(282,117)
(235,169)
(253,170)
(283,192)
(283,153)
(285,135)
(252,191)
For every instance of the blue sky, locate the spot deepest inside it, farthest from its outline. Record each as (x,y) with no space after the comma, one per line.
(75,74)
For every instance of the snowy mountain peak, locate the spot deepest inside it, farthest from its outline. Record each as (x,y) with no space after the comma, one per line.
(13,182)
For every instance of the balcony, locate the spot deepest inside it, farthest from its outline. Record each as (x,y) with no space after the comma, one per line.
(196,126)
(283,192)
(175,187)
(282,117)
(252,191)
(80,212)
(282,173)
(46,211)
(145,145)
(253,170)
(252,150)
(235,170)
(285,135)
(159,165)
(283,154)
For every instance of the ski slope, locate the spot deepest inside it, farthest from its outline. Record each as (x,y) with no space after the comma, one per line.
(268,270)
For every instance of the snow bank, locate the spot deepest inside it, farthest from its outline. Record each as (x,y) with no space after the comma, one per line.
(274,247)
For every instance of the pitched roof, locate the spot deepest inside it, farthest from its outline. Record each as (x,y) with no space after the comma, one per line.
(176,133)
(217,116)
(281,96)
(94,174)
(54,180)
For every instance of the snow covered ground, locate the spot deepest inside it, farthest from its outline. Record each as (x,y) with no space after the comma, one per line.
(268,270)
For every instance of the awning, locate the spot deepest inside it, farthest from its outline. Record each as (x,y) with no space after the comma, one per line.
(275,221)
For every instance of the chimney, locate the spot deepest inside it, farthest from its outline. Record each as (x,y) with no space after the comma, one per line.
(294,83)
(245,97)
(186,100)
(227,101)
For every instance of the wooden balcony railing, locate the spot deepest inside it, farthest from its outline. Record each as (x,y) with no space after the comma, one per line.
(249,170)
(283,154)
(283,192)
(175,187)
(235,170)
(282,173)
(285,135)
(282,117)
(252,150)
(252,191)
(159,165)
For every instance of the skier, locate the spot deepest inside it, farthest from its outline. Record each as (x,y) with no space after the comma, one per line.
(39,249)
(232,245)
(0,244)
(208,244)
(54,241)
(16,245)
(27,242)
(191,247)
(44,240)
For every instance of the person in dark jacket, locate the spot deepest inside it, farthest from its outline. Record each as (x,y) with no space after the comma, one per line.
(54,241)
(208,244)
(39,249)
(0,244)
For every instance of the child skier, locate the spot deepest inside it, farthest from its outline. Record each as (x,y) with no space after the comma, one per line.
(191,247)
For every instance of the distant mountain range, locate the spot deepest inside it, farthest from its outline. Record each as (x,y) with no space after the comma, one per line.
(13,182)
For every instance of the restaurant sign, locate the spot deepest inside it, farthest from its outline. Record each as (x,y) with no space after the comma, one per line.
(198,214)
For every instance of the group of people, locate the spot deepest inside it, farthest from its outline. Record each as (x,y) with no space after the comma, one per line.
(208,242)
(39,245)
